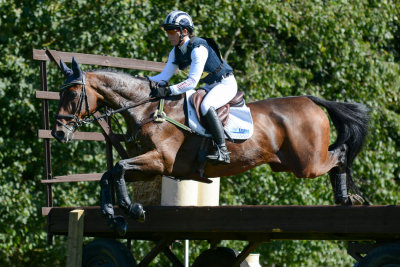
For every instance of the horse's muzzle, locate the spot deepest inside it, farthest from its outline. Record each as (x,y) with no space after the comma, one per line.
(62,136)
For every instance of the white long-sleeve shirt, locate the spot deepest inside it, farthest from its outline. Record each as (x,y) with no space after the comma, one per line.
(199,57)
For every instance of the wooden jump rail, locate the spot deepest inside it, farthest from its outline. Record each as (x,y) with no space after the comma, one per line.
(106,61)
(251,223)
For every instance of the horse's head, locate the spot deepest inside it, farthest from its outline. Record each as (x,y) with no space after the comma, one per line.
(77,101)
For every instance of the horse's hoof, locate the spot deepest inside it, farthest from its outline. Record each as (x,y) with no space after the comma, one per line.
(355,199)
(119,224)
(344,201)
(142,217)
(137,212)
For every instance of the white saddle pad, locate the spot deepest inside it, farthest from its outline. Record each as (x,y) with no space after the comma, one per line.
(239,126)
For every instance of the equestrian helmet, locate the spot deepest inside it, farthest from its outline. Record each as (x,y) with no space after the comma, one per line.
(178,20)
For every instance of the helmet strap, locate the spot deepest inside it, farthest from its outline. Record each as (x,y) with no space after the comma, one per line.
(181,36)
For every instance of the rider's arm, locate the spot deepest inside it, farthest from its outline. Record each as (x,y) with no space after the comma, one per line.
(199,57)
(168,70)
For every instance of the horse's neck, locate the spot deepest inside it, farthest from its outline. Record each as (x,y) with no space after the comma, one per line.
(120,90)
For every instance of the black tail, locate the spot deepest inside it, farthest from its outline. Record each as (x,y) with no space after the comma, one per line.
(351,121)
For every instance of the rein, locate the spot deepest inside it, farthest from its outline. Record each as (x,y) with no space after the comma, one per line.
(112,112)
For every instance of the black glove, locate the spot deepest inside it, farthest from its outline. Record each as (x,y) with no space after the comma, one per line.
(161,89)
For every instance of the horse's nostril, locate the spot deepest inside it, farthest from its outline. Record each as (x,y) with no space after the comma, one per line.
(60,134)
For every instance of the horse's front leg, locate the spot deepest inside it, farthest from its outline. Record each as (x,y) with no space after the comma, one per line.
(118,223)
(147,163)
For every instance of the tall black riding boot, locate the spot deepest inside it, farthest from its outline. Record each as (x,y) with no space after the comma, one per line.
(217,132)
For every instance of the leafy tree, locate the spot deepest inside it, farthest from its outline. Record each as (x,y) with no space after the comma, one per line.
(339,50)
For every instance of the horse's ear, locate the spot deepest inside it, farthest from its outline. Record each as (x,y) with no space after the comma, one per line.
(64,68)
(75,67)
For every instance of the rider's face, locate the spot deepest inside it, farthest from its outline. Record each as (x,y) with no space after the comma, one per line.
(174,36)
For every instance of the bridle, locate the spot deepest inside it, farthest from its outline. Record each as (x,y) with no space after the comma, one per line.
(83,97)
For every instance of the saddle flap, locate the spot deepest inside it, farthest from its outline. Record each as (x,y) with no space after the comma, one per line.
(239,125)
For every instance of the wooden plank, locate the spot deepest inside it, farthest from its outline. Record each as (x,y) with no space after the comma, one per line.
(47,95)
(244,253)
(173,258)
(53,55)
(108,133)
(87,177)
(160,246)
(255,223)
(75,238)
(90,136)
(107,61)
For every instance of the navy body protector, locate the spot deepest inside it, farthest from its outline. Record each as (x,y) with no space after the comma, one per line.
(215,66)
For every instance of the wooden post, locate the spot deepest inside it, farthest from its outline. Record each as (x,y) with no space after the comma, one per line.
(75,238)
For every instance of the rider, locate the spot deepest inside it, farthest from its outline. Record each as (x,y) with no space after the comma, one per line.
(202,57)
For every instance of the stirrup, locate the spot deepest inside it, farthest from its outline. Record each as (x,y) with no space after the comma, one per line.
(220,156)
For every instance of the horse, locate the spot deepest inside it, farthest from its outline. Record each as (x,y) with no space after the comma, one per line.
(291,134)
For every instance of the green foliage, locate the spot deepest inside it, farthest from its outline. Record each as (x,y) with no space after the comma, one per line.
(340,50)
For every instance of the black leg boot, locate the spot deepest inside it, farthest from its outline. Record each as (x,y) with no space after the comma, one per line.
(339,184)
(217,131)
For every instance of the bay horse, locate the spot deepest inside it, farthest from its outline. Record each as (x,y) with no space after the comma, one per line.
(291,134)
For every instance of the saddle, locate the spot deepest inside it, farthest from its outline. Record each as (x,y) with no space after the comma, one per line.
(223,112)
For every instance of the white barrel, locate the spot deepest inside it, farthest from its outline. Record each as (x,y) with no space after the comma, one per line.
(189,193)
(178,193)
(208,194)
(253,260)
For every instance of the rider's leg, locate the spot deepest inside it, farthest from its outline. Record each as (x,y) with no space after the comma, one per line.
(217,131)
(218,95)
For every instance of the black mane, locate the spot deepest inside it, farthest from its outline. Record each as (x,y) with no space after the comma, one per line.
(119,72)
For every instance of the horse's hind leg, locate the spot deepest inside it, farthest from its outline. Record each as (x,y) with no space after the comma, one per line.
(338,177)
(338,181)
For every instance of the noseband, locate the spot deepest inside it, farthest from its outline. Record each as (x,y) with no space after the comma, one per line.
(82,98)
